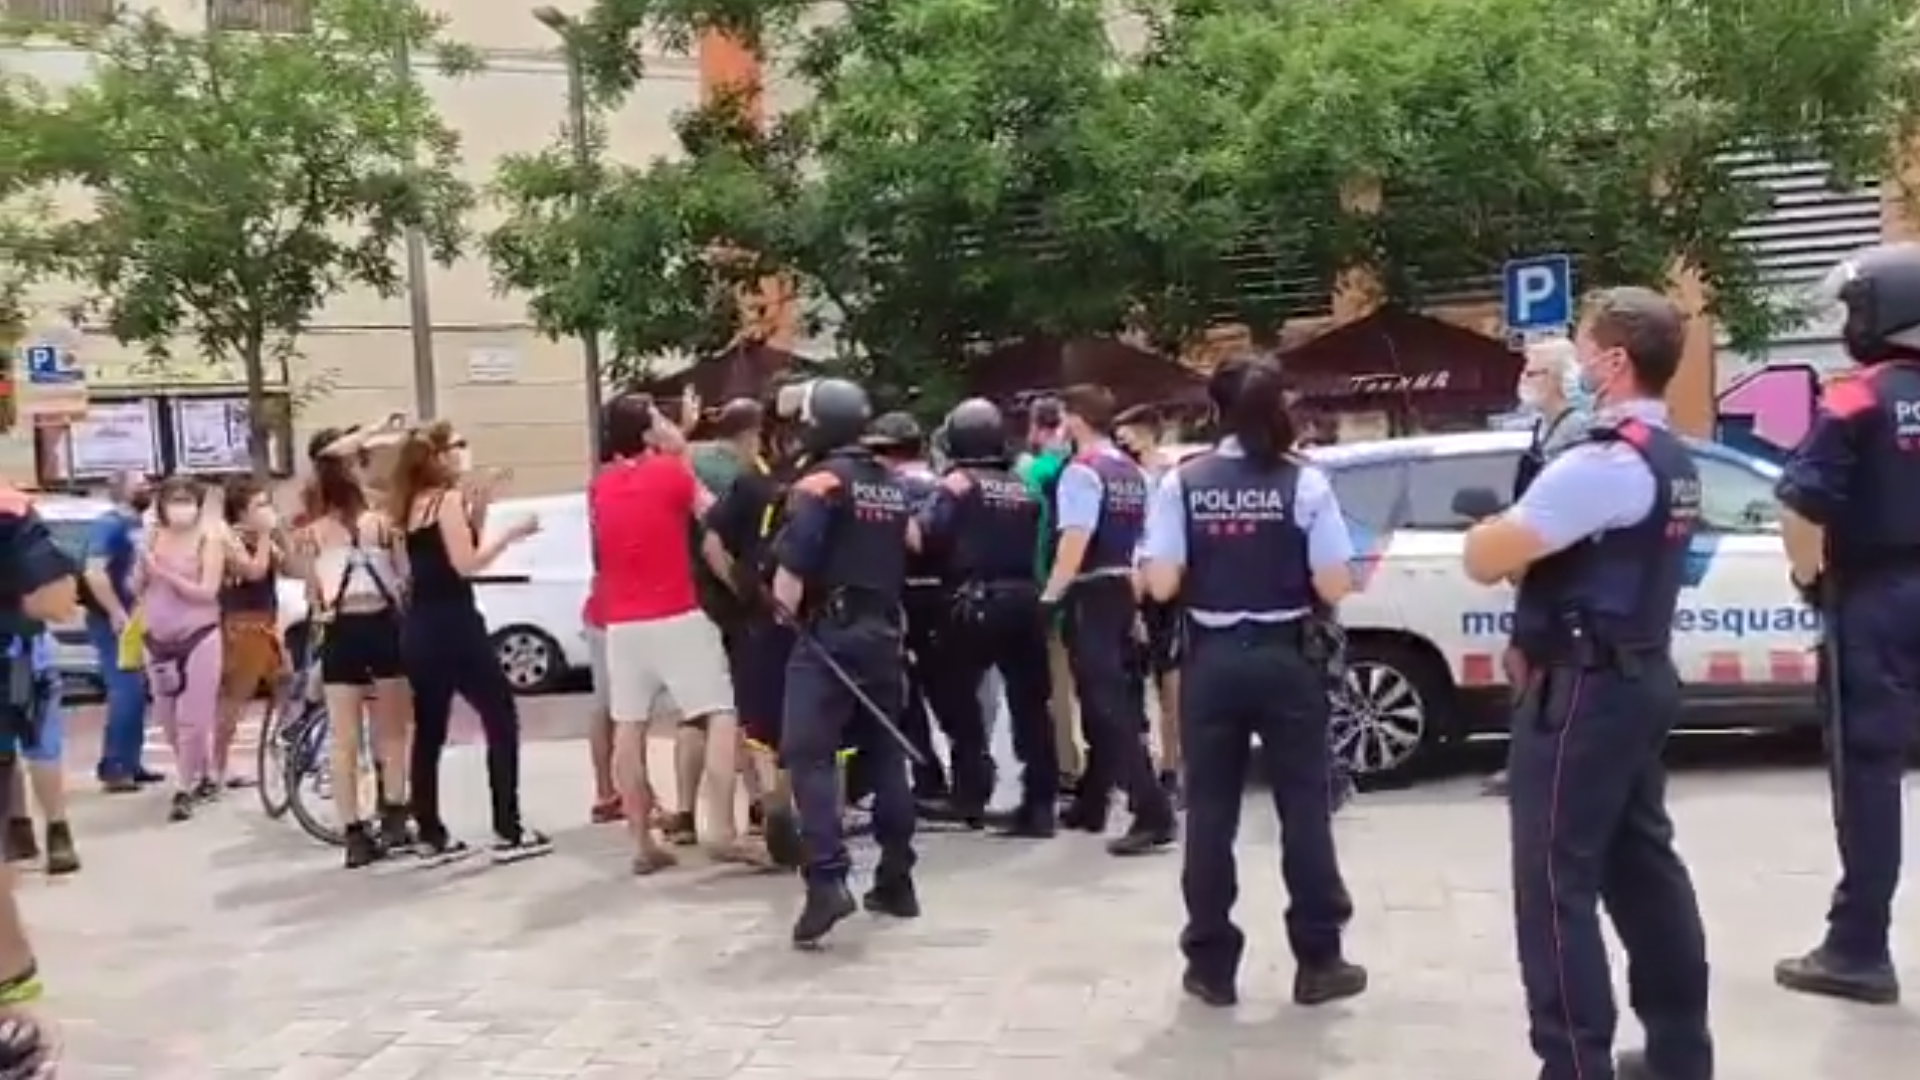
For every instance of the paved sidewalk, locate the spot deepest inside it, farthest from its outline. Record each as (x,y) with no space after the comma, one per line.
(231,947)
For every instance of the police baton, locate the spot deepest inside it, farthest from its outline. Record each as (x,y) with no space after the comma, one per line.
(1830,652)
(840,674)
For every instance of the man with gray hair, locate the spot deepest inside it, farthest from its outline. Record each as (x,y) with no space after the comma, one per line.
(1562,409)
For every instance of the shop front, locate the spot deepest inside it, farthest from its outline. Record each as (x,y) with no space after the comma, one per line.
(1395,372)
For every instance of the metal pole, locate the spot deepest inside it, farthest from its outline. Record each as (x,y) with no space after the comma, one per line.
(583,168)
(426,383)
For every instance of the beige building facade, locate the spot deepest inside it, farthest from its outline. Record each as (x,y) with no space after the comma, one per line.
(519,396)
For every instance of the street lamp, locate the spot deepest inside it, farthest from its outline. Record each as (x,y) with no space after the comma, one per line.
(568,30)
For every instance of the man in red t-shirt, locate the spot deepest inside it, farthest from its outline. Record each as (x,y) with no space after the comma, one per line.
(662,652)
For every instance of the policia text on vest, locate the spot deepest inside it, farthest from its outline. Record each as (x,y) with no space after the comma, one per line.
(1726,621)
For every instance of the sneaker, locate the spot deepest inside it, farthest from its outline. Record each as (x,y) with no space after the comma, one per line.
(396,832)
(206,791)
(441,850)
(362,849)
(680,830)
(529,844)
(181,807)
(61,856)
(21,844)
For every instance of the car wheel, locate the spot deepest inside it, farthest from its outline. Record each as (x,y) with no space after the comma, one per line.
(531,661)
(1387,719)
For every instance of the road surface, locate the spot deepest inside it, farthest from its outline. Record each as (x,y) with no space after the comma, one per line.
(231,948)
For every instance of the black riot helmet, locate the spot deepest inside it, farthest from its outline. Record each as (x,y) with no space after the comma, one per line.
(833,413)
(896,434)
(976,433)
(1880,291)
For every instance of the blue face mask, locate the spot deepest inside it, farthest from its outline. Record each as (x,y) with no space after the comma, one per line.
(1574,384)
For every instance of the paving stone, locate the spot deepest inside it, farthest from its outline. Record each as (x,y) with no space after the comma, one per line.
(233,948)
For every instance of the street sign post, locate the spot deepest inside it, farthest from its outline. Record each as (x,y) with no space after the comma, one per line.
(1538,294)
(55,389)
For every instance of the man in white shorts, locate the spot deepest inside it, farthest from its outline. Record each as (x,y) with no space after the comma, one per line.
(661,650)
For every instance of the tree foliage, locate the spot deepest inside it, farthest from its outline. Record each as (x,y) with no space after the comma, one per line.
(969,171)
(240,180)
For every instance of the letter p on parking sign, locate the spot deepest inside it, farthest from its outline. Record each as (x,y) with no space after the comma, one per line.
(1538,293)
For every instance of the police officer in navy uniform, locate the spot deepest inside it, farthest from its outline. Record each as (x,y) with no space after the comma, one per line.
(1850,518)
(1100,514)
(841,568)
(896,439)
(1599,545)
(980,530)
(1247,540)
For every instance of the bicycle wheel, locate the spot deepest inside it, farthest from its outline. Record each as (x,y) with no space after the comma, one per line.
(270,760)
(310,780)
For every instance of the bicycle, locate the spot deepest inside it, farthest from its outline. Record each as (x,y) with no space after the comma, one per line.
(301,737)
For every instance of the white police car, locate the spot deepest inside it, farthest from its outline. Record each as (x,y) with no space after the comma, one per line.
(1425,642)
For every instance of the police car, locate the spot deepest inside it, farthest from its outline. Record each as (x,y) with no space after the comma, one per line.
(1425,641)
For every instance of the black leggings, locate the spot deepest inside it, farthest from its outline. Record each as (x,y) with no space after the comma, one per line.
(447,653)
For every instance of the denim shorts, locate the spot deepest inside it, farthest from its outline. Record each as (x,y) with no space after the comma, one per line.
(53,729)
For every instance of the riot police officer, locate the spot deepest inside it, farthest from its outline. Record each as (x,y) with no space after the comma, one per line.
(981,530)
(895,438)
(1248,540)
(841,567)
(1850,517)
(1599,544)
(38,584)
(1100,507)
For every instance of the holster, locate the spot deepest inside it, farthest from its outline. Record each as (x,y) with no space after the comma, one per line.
(973,604)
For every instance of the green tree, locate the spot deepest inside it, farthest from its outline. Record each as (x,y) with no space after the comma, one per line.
(241,180)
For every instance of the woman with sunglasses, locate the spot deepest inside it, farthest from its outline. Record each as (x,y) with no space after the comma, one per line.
(448,653)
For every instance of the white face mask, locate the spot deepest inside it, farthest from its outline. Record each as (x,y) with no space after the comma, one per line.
(181,515)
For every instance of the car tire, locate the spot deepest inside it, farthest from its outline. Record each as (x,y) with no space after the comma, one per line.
(530,659)
(1391,720)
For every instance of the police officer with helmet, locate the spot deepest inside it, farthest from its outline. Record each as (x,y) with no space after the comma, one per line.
(841,568)
(1247,540)
(38,584)
(1850,519)
(980,531)
(896,439)
(1599,545)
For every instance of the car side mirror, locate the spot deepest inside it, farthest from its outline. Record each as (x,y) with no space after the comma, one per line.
(1477,503)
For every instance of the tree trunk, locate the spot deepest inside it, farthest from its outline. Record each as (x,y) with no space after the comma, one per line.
(259,433)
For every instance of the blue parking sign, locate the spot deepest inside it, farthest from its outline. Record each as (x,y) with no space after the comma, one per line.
(1538,293)
(50,365)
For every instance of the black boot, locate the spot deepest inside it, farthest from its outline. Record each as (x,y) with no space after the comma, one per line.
(1144,837)
(1085,814)
(1029,821)
(396,832)
(362,848)
(1821,972)
(827,903)
(1323,983)
(21,843)
(1219,993)
(1632,1065)
(894,895)
(62,858)
(782,833)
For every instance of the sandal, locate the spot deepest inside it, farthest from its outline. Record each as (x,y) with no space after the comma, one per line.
(742,853)
(607,811)
(653,860)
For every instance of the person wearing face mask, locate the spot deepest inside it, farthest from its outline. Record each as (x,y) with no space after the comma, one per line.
(1101,511)
(107,596)
(177,581)
(249,624)
(1599,545)
(1551,392)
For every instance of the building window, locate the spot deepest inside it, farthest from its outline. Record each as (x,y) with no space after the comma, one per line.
(1810,223)
(72,12)
(262,16)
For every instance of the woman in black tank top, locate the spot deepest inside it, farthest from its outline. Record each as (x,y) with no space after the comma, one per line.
(447,650)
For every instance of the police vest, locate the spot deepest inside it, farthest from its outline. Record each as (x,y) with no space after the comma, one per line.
(1617,590)
(995,525)
(1245,548)
(867,541)
(921,487)
(1123,511)
(1878,525)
